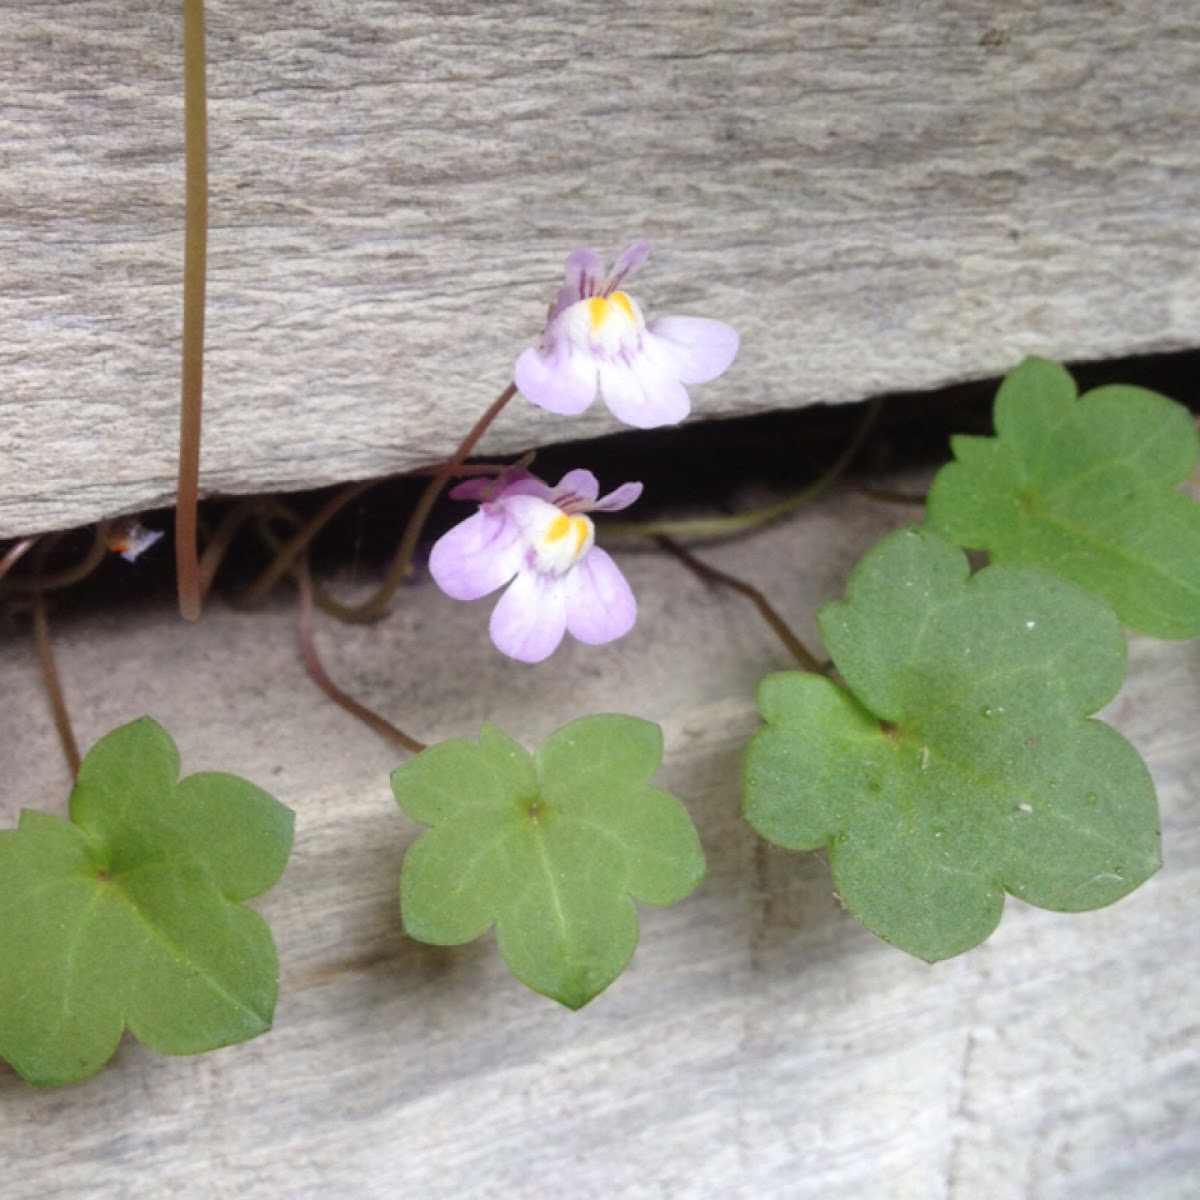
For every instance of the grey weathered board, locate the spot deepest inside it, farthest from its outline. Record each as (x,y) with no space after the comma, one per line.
(762,1043)
(879,196)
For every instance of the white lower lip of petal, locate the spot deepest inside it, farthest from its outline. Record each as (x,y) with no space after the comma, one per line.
(557,540)
(604,327)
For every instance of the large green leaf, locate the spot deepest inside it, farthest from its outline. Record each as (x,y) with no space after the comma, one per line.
(1086,487)
(961,764)
(130,913)
(553,848)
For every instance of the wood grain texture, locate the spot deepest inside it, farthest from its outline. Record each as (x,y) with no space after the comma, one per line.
(762,1044)
(878,196)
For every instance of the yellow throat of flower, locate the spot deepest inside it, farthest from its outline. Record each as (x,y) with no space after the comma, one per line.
(618,307)
(564,540)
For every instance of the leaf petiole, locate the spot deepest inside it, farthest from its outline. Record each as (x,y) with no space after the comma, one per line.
(321,677)
(766,609)
(53,683)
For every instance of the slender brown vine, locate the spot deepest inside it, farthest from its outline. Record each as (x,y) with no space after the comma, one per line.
(795,647)
(41,580)
(887,495)
(715,528)
(378,604)
(53,684)
(195,107)
(316,669)
(15,553)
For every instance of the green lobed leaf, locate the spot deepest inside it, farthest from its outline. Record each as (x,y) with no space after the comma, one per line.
(129,914)
(961,762)
(1087,488)
(552,848)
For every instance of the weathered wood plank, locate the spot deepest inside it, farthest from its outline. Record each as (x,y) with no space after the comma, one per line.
(879,197)
(762,1043)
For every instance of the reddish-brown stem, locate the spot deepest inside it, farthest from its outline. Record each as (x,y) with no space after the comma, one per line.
(195,252)
(321,677)
(782,630)
(433,489)
(40,581)
(287,554)
(54,691)
(378,604)
(885,494)
(467,471)
(218,545)
(14,554)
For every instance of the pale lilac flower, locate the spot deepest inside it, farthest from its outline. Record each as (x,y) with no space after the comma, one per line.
(540,541)
(596,334)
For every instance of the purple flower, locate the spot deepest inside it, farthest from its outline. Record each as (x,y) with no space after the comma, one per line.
(541,539)
(596,333)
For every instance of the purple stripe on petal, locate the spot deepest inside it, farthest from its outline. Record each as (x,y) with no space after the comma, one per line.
(618,498)
(530,515)
(476,556)
(600,607)
(583,277)
(695,348)
(563,381)
(526,485)
(580,484)
(643,394)
(625,266)
(529,621)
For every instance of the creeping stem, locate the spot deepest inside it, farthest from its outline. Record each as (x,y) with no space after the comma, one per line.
(299,542)
(42,581)
(420,514)
(289,552)
(376,605)
(299,571)
(723,526)
(317,669)
(14,554)
(887,495)
(731,526)
(794,645)
(194,264)
(54,691)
